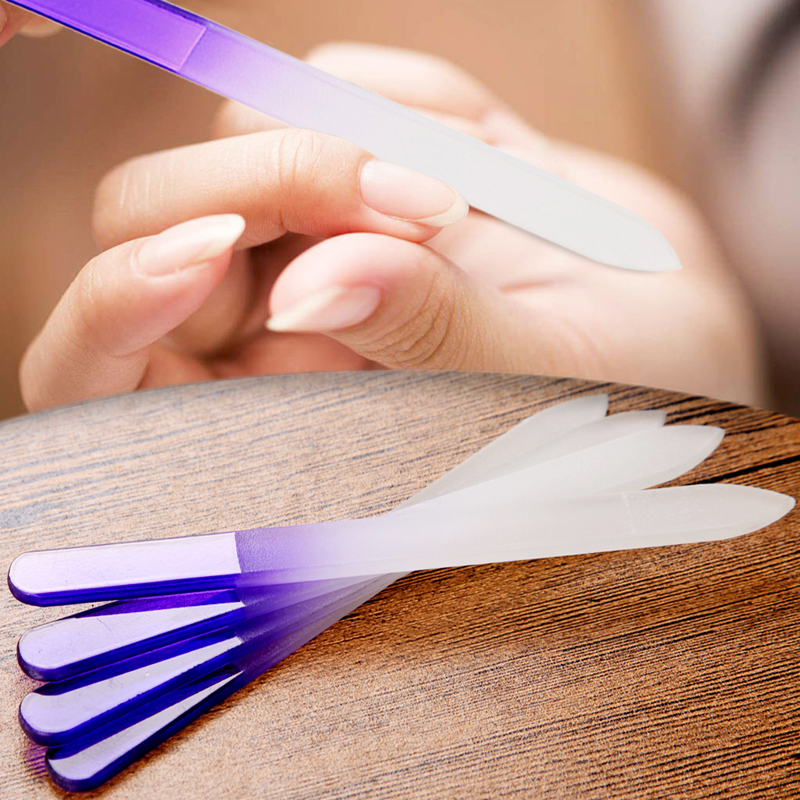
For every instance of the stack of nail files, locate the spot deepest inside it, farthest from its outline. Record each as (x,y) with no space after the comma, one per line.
(195,619)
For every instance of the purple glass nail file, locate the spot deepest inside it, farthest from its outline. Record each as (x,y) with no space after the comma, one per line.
(301,95)
(94,705)
(543,510)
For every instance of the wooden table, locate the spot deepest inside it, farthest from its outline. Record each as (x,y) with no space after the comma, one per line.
(667,673)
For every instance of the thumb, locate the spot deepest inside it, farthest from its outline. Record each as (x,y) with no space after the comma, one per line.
(97,340)
(403,306)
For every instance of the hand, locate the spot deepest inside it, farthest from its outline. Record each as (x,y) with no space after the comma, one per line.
(347,290)
(189,303)
(15,20)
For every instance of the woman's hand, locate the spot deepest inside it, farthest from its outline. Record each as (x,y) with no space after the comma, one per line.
(14,20)
(352,280)
(196,238)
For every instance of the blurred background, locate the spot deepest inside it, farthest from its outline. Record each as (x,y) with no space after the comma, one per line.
(703,92)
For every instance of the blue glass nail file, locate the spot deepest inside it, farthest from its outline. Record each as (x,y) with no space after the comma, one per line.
(290,90)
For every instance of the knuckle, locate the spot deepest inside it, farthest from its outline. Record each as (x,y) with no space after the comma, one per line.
(298,156)
(111,199)
(426,335)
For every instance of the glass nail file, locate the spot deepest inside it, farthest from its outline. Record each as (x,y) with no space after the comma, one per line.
(408,541)
(78,708)
(455,521)
(300,95)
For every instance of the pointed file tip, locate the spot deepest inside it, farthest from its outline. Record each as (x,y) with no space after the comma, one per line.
(783,504)
(662,256)
(758,508)
(643,249)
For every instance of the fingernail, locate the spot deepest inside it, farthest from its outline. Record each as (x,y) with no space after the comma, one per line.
(405,194)
(39,28)
(331,309)
(188,245)
(3,21)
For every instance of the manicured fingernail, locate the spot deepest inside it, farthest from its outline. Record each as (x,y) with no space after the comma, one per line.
(3,21)
(39,28)
(404,194)
(188,245)
(331,309)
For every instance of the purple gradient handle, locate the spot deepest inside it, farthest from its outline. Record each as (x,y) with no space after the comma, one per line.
(128,570)
(158,32)
(96,704)
(112,633)
(88,762)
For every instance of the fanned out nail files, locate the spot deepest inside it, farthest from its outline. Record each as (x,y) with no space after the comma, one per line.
(194,619)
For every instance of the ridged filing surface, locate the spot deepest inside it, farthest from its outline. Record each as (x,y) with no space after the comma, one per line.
(656,673)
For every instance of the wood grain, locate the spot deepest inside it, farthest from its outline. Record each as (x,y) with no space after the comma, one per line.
(668,672)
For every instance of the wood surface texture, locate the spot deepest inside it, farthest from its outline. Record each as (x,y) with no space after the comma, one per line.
(663,673)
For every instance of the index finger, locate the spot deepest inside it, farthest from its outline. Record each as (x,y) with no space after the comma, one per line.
(280,181)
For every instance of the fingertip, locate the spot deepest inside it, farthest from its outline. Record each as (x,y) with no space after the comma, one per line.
(40,28)
(334,308)
(188,246)
(391,301)
(356,259)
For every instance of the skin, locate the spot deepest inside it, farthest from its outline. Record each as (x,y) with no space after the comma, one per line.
(14,20)
(477,295)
